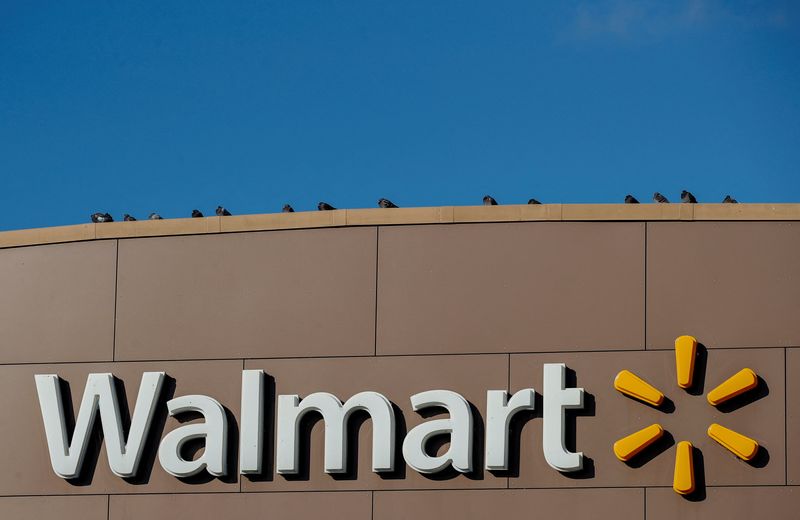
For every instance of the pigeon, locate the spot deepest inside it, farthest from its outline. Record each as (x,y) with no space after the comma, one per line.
(101,217)
(489,201)
(222,212)
(324,206)
(533,201)
(630,199)
(128,218)
(657,197)
(688,198)
(287,209)
(729,200)
(154,216)
(196,213)
(386,203)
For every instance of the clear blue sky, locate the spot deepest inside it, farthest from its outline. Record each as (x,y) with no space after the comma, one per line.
(169,106)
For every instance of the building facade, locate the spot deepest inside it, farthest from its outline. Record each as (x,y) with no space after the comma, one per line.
(399,302)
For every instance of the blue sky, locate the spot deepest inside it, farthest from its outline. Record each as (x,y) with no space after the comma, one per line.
(169,106)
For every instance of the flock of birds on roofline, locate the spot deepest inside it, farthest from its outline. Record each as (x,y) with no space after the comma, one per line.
(488,200)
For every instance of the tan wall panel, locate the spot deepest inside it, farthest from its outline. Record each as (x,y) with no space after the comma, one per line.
(510,287)
(23,445)
(616,416)
(57,302)
(735,503)
(620,504)
(275,506)
(736,284)
(398,378)
(62,508)
(282,293)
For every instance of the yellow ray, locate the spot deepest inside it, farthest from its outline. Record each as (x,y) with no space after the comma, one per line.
(743,447)
(683,481)
(737,384)
(628,447)
(685,353)
(630,384)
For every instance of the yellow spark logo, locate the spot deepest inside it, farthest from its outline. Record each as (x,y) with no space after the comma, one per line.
(633,386)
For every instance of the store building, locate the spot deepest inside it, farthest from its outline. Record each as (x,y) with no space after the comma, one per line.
(218,331)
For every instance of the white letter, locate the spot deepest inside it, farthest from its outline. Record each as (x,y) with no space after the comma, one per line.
(123,458)
(251,434)
(499,411)
(214,431)
(556,400)
(335,415)
(458,426)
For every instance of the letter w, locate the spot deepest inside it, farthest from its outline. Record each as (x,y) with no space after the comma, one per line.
(67,458)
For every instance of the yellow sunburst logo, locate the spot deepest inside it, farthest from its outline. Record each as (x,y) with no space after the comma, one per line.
(634,386)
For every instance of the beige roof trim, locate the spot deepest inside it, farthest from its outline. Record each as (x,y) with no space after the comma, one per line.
(399,216)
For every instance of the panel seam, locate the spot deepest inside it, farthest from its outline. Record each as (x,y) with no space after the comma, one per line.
(116,297)
(646,225)
(375,323)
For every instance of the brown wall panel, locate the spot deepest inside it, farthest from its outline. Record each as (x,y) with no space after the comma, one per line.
(611,416)
(282,293)
(620,504)
(397,378)
(793,415)
(735,284)
(510,287)
(57,302)
(734,503)
(277,506)
(302,305)
(63,508)
(23,445)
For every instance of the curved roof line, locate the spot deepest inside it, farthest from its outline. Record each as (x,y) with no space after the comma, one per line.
(402,216)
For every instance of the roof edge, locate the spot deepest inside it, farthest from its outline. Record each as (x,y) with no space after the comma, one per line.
(401,216)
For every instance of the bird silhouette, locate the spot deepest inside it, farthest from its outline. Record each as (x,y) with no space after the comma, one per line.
(196,213)
(128,218)
(222,212)
(688,198)
(630,199)
(287,209)
(533,201)
(101,217)
(729,200)
(657,197)
(154,216)
(386,203)
(489,201)
(324,206)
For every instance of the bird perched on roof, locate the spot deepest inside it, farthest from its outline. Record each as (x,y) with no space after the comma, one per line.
(729,200)
(287,209)
(533,201)
(154,216)
(489,201)
(657,197)
(386,203)
(128,218)
(324,206)
(630,199)
(101,217)
(222,212)
(688,198)
(196,213)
